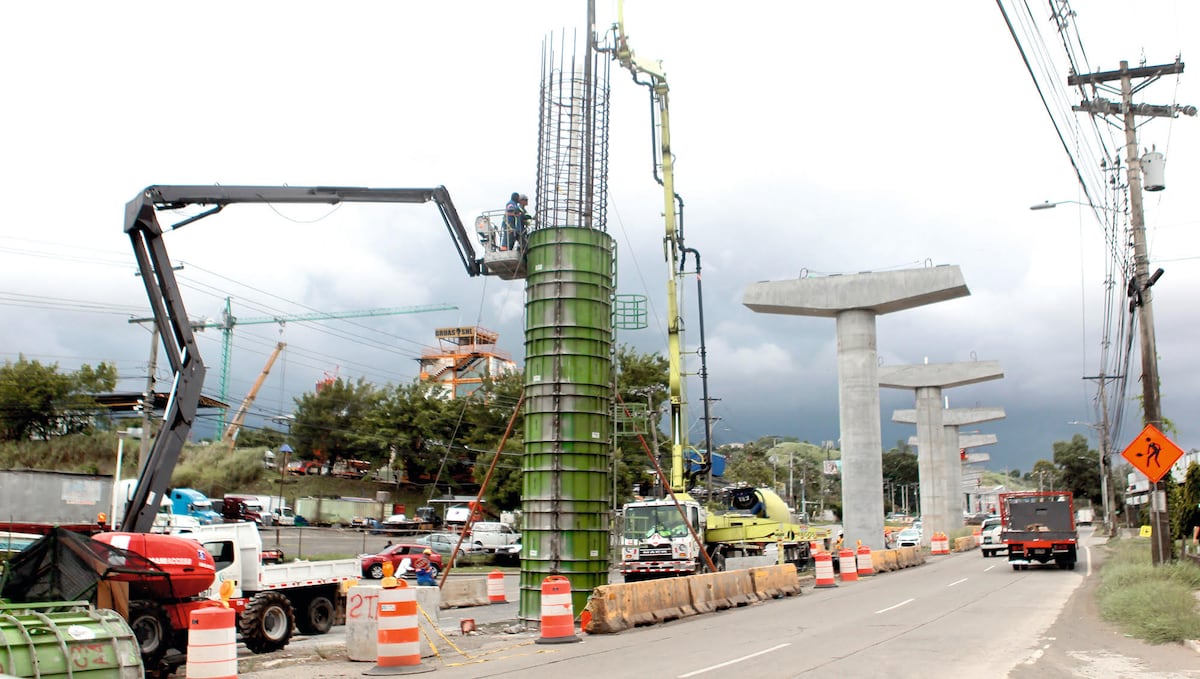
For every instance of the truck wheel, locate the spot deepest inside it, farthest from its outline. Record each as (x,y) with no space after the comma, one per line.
(375,572)
(150,627)
(266,624)
(317,617)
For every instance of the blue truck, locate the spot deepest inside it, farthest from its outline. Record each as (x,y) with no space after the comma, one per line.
(191,502)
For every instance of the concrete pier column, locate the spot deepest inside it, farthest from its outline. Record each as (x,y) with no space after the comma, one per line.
(931,475)
(855,300)
(858,405)
(938,456)
(951,435)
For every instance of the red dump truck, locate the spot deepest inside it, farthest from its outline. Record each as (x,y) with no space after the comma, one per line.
(1039,527)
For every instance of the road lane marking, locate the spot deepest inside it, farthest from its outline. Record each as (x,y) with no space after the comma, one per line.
(957,582)
(989,568)
(730,662)
(906,601)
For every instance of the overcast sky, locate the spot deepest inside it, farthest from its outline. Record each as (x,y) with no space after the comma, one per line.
(810,138)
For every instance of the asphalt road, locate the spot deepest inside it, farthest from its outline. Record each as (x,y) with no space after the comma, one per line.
(960,615)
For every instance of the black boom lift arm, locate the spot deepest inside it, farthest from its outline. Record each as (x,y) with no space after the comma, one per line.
(171,319)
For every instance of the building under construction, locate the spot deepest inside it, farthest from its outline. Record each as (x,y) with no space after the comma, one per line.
(464,358)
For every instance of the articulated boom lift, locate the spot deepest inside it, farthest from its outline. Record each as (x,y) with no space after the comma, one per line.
(170,316)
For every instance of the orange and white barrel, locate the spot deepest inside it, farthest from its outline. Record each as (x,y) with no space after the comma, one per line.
(823,567)
(849,565)
(558,613)
(212,644)
(863,559)
(495,587)
(398,646)
(940,544)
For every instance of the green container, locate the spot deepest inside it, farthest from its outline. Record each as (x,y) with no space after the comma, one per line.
(78,641)
(566,484)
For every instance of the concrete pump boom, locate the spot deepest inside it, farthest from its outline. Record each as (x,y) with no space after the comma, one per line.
(672,245)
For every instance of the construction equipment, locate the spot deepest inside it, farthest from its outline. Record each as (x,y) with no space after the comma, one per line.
(170,314)
(675,535)
(239,417)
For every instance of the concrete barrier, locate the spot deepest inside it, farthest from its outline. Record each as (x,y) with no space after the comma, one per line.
(729,589)
(610,607)
(614,608)
(964,544)
(362,622)
(461,592)
(879,560)
(775,581)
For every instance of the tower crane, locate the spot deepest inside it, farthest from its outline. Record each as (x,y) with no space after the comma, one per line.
(240,416)
(228,320)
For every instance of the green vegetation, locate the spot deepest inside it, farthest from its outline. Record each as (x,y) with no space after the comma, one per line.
(1151,603)
(38,402)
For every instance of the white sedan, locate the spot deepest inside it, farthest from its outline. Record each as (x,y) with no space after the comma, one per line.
(909,537)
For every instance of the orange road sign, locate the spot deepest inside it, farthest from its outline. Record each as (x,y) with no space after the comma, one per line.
(1152,453)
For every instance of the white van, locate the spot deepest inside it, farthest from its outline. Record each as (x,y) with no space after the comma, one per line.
(491,535)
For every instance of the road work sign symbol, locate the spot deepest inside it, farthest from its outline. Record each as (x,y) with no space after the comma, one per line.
(1152,453)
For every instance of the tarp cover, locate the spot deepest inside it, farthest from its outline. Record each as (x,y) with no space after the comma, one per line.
(65,566)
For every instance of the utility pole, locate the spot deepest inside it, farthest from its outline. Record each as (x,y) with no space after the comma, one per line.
(1139,286)
(1108,492)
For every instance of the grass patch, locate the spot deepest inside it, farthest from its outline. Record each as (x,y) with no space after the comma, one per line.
(1151,603)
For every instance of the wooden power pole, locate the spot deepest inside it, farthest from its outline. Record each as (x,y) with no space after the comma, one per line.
(1139,285)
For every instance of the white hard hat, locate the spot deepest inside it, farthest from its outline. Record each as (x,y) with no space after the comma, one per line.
(523,197)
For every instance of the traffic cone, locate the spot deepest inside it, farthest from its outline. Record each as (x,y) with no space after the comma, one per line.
(398,641)
(495,587)
(849,570)
(823,566)
(558,613)
(863,559)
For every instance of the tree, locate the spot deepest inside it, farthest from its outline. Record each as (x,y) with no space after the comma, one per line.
(38,402)
(1185,510)
(899,470)
(1078,468)
(1045,474)
(330,424)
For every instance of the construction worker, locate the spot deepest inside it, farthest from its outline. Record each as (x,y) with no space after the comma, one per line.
(425,570)
(512,221)
(840,541)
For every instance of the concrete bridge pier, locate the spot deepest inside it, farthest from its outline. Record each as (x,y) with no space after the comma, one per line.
(854,301)
(938,461)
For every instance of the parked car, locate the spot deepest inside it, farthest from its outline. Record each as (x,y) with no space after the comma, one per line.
(909,537)
(443,544)
(991,543)
(284,516)
(492,535)
(372,564)
(364,523)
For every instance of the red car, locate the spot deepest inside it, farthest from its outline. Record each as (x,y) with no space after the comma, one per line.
(372,565)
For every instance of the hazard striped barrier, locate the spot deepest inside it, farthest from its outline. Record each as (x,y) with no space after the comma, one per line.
(211,644)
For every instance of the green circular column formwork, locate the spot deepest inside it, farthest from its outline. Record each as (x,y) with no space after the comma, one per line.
(568,413)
